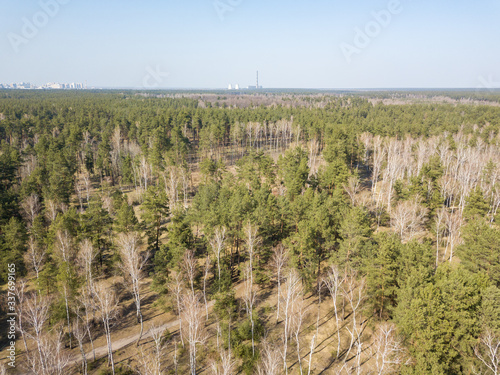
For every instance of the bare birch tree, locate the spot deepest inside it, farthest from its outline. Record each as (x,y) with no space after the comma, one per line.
(354,293)
(249,297)
(132,264)
(171,180)
(333,282)
(64,245)
(189,264)
(387,350)
(292,291)
(298,314)
(270,359)
(36,314)
(85,259)
(251,240)
(51,210)
(20,294)
(79,333)
(313,147)
(394,169)
(454,223)
(206,271)
(88,185)
(28,166)
(185,178)
(116,141)
(176,288)
(35,256)
(279,261)
(352,188)
(226,365)
(107,303)
(440,220)
(150,361)
(378,159)
(407,219)
(194,320)
(31,207)
(488,351)
(56,359)
(217,244)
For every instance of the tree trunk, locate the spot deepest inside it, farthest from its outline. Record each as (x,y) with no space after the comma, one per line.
(110,348)
(298,351)
(88,331)
(279,292)
(84,359)
(67,316)
(142,327)
(253,342)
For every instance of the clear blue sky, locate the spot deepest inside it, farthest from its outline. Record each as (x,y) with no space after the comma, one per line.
(293,43)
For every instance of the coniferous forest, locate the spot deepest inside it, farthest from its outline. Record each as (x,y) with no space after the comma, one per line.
(264,233)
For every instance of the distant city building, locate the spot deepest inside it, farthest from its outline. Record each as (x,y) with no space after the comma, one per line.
(55,86)
(50,85)
(24,85)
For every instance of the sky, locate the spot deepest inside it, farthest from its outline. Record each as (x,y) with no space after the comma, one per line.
(211,43)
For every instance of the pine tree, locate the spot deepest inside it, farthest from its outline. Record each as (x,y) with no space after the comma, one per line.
(440,319)
(9,162)
(60,182)
(338,155)
(354,242)
(490,309)
(155,211)
(415,258)
(476,204)
(95,224)
(180,238)
(13,240)
(480,251)
(294,171)
(382,273)
(125,220)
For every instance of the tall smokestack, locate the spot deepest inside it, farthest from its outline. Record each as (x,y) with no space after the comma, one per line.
(257,79)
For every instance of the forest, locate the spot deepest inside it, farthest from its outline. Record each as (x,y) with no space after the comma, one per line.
(262,233)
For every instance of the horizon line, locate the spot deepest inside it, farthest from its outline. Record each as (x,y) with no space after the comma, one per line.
(139,88)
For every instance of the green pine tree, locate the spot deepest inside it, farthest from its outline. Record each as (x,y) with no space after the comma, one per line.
(155,211)
(13,239)
(382,274)
(125,220)
(476,204)
(480,251)
(294,171)
(440,320)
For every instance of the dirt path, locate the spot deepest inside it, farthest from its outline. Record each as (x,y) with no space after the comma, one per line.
(102,351)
